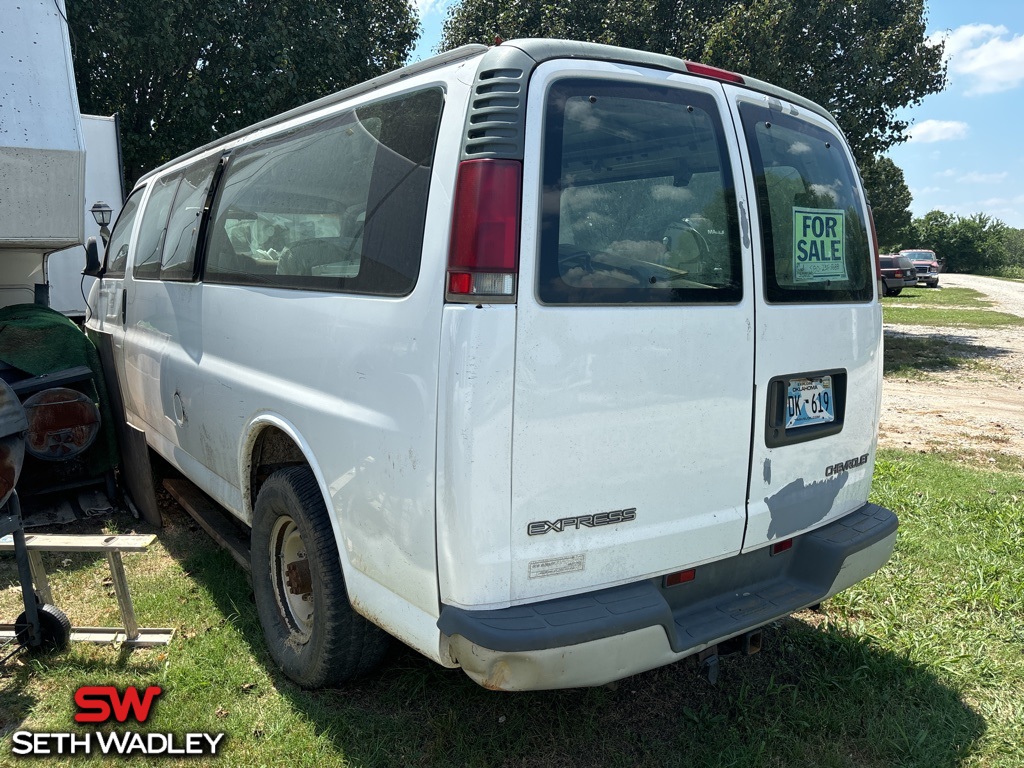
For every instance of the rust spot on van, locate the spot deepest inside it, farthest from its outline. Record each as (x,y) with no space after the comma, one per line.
(497,678)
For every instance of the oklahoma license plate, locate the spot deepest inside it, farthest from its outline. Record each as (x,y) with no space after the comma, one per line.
(809,401)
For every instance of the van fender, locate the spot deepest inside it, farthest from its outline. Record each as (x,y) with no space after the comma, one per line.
(253,430)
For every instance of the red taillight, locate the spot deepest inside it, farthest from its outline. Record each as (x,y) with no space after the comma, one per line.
(874,245)
(482,258)
(899,273)
(781,546)
(719,74)
(680,577)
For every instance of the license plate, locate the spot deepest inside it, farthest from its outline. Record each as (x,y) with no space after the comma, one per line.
(809,401)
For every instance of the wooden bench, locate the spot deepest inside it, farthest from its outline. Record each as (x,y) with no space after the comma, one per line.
(112,546)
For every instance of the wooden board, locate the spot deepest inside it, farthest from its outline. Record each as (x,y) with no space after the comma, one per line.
(103,635)
(72,542)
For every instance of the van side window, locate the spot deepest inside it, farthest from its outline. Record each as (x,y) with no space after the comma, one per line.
(186,213)
(808,197)
(338,205)
(117,247)
(154,226)
(639,204)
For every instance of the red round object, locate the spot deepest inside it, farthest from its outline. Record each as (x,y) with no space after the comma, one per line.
(12,441)
(62,423)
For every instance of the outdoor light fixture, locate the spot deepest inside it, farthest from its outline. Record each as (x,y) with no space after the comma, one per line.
(101,212)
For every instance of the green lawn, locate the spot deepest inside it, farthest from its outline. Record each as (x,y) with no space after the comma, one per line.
(919,356)
(922,665)
(943,297)
(947,317)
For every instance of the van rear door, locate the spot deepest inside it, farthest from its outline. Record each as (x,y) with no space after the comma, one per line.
(635,346)
(818,352)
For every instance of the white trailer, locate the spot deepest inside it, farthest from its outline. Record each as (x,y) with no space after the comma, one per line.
(42,148)
(103,182)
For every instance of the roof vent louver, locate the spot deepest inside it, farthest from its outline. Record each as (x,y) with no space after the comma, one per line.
(497,115)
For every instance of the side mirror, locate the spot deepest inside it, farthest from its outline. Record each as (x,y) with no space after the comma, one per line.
(93,266)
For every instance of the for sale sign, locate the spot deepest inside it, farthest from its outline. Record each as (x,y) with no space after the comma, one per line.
(818,245)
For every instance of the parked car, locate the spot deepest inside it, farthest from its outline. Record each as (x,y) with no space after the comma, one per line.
(474,349)
(926,264)
(897,273)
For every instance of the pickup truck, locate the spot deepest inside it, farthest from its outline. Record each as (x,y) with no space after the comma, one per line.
(926,264)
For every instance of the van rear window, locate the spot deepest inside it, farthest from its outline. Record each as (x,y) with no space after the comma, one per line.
(809,202)
(639,204)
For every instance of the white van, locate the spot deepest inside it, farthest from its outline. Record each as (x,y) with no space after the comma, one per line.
(556,361)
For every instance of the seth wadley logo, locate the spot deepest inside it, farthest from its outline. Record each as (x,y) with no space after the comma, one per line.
(100,704)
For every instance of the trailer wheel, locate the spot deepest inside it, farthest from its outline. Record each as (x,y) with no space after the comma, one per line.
(54,629)
(311,629)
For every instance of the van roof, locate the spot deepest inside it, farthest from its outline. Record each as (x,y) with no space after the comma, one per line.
(536,50)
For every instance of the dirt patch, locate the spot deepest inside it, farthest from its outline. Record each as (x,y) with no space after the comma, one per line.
(975,411)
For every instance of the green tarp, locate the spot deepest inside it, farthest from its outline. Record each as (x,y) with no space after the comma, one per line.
(39,340)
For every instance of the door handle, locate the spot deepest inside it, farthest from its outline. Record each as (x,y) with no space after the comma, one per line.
(124,306)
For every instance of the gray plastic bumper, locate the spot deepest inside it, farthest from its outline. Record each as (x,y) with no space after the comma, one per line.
(727,598)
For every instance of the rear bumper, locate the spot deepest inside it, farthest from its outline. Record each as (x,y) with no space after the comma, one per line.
(609,634)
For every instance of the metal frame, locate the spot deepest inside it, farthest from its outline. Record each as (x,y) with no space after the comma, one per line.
(130,634)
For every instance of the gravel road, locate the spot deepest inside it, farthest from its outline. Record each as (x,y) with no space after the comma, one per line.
(976,412)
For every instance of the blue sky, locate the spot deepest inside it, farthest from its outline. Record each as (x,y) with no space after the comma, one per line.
(962,156)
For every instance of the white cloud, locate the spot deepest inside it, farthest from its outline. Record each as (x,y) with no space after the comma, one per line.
(987,57)
(973,177)
(929,131)
(983,178)
(431,6)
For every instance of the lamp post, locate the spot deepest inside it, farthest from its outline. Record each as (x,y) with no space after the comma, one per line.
(101,212)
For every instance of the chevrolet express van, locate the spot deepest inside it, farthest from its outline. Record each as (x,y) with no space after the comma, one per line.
(556,361)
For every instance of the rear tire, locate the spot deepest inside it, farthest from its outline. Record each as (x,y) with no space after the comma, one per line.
(894,292)
(311,629)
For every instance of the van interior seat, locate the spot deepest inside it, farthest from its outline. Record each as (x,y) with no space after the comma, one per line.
(301,257)
(232,254)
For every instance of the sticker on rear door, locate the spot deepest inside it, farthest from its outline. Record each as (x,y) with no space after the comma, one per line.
(818,245)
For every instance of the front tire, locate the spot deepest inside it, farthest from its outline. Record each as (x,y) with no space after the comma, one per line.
(311,629)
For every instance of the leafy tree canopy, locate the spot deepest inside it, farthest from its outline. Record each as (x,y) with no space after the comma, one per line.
(890,201)
(976,243)
(861,59)
(181,73)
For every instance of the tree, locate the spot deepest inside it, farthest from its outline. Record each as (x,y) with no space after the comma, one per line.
(861,59)
(976,243)
(1013,241)
(890,201)
(181,73)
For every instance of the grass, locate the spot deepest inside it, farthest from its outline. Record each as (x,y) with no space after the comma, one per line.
(919,666)
(1010,272)
(944,297)
(947,317)
(917,356)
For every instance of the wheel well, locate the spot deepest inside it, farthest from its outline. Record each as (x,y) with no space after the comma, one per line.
(272,450)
